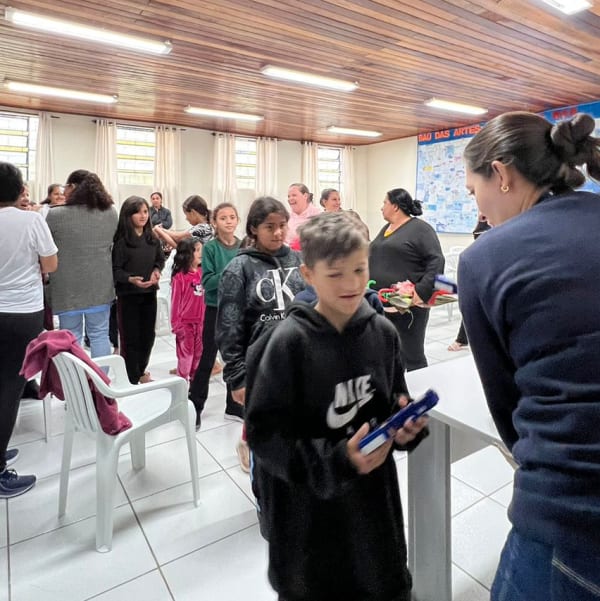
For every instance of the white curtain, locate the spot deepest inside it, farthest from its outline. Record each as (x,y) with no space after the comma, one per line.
(224,186)
(167,169)
(348,184)
(44,159)
(310,169)
(266,167)
(105,163)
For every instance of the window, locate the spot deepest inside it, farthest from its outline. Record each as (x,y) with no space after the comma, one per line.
(18,138)
(136,151)
(245,163)
(330,167)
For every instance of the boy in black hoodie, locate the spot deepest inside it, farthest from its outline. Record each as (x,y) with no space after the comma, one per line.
(329,373)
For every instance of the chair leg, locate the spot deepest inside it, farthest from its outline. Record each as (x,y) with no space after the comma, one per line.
(137,445)
(188,419)
(47,404)
(65,466)
(107,457)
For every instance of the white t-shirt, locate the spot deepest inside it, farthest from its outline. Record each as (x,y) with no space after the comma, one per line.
(25,238)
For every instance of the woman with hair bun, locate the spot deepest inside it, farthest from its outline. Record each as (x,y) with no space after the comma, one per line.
(407,248)
(300,200)
(527,295)
(197,214)
(330,200)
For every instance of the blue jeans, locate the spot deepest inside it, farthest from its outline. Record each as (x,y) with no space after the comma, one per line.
(533,571)
(96,327)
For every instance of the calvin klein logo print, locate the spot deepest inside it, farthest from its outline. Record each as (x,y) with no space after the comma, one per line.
(272,288)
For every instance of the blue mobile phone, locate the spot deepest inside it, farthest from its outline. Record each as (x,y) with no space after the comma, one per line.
(377,437)
(445,284)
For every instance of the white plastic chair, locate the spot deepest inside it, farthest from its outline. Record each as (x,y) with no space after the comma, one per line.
(47,409)
(146,405)
(451,271)
(163,299)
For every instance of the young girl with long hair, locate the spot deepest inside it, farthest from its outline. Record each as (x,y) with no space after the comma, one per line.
(216,255)
(187,306)
(137,262)
(197,214)
(255,290)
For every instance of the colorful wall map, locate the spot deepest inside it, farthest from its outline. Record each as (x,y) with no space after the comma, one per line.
(441,174)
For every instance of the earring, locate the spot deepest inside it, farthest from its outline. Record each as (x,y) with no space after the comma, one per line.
(504,189)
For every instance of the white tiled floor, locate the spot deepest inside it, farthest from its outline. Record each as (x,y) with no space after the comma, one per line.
(166,549)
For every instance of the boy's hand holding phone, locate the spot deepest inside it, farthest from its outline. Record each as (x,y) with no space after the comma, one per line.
(366,463)
(364,459)
(411,428)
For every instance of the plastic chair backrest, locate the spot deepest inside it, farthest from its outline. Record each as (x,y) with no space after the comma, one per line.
(451,264)
(78,395)
(164,284)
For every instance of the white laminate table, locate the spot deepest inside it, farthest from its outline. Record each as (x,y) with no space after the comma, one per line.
(462,407)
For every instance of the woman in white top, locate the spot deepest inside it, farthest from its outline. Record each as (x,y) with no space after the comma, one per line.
(28,250)
(55,198)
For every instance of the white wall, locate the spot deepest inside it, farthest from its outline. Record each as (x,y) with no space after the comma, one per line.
(378,167)
(74,148)
(387,165)
(74,145)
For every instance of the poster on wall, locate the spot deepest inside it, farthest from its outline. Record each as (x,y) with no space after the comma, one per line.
(441,180)
(441,172)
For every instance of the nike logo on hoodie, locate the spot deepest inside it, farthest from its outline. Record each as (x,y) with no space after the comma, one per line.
(349,397)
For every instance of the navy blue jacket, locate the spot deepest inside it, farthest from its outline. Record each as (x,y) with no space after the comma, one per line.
(528,296)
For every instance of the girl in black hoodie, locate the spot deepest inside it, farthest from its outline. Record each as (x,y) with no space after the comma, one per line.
(254,292)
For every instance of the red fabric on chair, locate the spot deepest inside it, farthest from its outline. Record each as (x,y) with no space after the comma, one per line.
(38,357)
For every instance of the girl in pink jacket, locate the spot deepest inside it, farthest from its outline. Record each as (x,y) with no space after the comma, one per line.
(187,306)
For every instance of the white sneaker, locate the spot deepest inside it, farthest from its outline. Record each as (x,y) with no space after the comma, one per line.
(243,453)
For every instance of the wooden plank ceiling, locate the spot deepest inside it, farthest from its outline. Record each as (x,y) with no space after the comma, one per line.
(500,54)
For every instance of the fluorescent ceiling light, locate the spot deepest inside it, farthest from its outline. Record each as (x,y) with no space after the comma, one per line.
(192,110)
(35,90)
(569,7)
(309,79)
(84,32)
(353,132)
(446,105)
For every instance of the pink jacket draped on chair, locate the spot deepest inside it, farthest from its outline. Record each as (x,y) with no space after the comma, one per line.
(38,357)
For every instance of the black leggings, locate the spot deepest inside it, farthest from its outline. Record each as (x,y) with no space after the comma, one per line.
(136,318)
(412,336)
(16,331)
(199,386)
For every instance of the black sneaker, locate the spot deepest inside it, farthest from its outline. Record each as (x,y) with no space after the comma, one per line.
(11,456)
(12,485)
(198,422)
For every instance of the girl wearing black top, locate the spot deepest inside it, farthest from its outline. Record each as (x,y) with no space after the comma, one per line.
(137,262)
